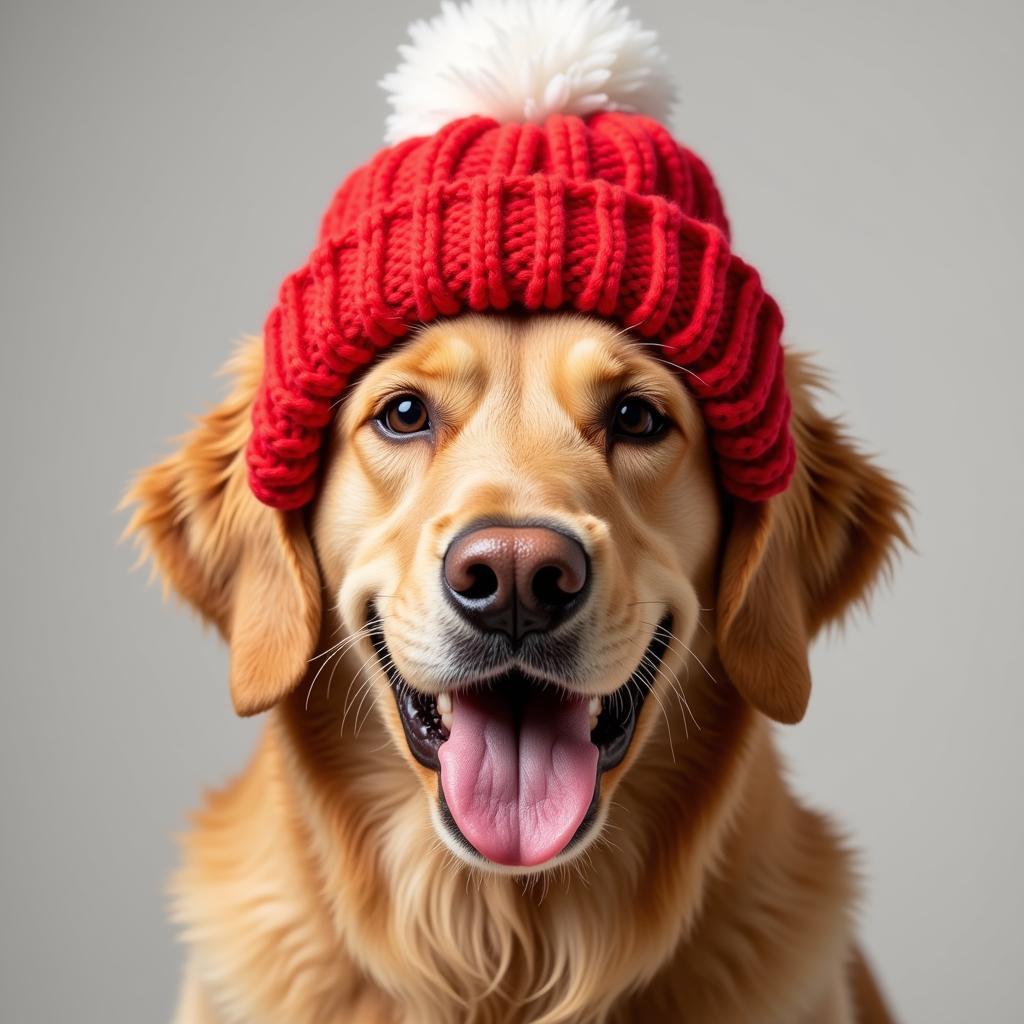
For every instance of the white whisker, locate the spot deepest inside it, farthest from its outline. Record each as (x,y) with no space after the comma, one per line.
(672,636)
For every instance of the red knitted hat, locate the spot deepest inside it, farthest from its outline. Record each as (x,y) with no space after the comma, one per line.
(559,207)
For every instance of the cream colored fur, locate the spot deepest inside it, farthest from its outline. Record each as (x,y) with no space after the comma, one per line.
(315,887)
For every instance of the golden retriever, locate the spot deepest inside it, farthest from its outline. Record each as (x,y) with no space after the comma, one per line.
(518,538)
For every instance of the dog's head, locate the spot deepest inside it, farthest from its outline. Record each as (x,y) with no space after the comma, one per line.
(520,541)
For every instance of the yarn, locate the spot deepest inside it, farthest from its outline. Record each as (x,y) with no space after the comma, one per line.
(606,215)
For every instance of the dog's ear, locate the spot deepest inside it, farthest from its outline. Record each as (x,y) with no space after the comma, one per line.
(247,568)
(799,560)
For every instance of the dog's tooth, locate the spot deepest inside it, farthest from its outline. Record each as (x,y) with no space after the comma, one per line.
(594,707)
(593,722)
(444,703)
(446,721)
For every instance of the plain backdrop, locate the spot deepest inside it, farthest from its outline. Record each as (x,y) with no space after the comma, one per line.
(165,164)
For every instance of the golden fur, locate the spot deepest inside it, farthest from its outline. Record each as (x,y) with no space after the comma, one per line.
(315,887)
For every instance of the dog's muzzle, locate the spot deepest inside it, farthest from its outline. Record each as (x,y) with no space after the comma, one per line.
(519,758)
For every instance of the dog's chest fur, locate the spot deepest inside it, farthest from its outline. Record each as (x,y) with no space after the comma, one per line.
(301,906)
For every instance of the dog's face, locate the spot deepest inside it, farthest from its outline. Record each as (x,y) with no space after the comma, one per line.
(521,517)
(517,532)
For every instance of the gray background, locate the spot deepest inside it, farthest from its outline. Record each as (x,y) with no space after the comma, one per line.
(164,165)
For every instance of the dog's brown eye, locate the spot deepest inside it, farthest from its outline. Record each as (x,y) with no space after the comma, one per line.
(636,418)
(405,415)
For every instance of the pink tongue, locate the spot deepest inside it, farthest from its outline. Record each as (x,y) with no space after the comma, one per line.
(518,790)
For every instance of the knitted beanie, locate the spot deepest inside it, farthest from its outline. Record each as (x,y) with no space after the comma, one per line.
(550,191)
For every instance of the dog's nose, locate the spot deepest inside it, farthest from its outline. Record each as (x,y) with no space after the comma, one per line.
(515,579)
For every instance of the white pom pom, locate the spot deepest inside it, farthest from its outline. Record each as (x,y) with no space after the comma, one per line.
(521,60)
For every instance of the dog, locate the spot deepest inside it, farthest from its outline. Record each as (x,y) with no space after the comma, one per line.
(518,537)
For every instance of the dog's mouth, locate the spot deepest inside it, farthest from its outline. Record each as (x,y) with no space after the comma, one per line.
(520,759)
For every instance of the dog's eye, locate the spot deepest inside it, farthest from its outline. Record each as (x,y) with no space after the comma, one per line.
(404,415)
(636,419)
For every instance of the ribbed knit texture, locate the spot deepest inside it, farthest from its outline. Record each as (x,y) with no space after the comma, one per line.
(608,216)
